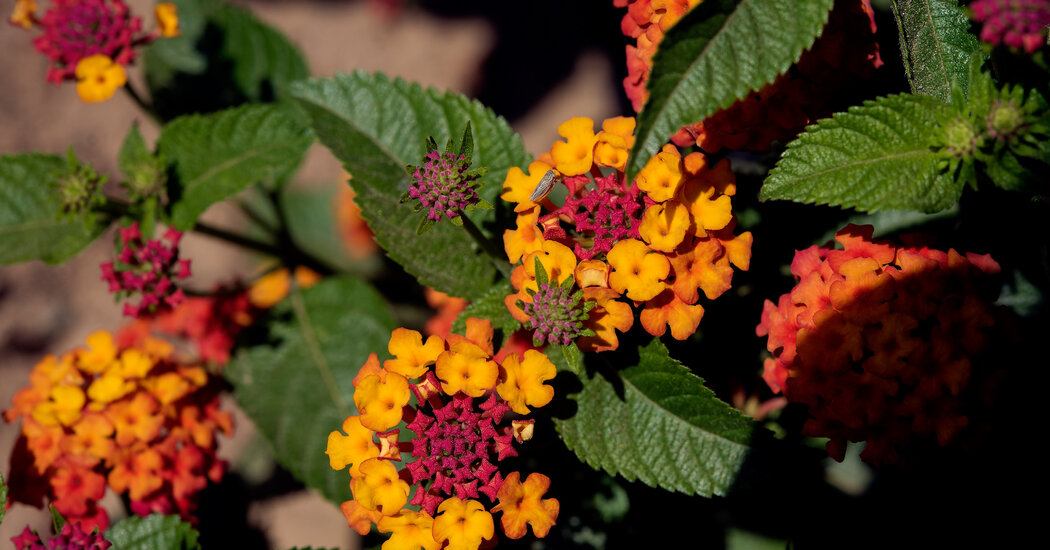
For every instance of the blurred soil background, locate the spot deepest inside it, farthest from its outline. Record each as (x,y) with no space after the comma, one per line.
(537,63)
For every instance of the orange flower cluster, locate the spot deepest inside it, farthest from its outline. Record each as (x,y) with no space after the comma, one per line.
(464,396)
(656,241)
(121,413)
(878,341)
(845,53)
(353,229)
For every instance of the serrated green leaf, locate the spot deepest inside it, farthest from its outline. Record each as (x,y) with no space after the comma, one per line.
(32,226)
(153,532)
(264,61)
(310,213)
(573,358)
(376,126)
(715,55)
(936,45)
(217,155)
(299,389)
(491,306)
(876,156)
(658,423)
(133,152)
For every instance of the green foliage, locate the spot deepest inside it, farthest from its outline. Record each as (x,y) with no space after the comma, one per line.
(3,498)
(715,55)
(217,155)
(297,386)
(568,357)
(57,520)
(223,57)
(936,45)
(32,224)
(153,532)
(143,172)
(376,127)
(657,422)
(874,157)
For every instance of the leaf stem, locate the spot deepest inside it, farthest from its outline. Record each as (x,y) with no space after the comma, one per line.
(146,107)
(497,256)
(310,338)
(235,238)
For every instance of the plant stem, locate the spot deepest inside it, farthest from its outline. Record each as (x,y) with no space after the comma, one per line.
(241,240)
(146,107)
(497,256)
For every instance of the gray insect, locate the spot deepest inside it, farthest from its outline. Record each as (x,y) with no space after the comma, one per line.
(544,186)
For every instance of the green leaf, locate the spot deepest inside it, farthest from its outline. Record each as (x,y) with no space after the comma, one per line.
(491,306)
(877,156)
(153,532)
(217,155)
(936,45)
(572,356)
(3,498)
(299,388)
(222,58)
(376,127)
(264,61)
(133,152)
(657,422)
(32,225)
(57,520)
(717,54)
(311,216)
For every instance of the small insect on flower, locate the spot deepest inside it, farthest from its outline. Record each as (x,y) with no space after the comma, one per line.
(544,186)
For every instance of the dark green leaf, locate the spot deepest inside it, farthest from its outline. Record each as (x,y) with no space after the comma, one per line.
(311,215)
(573,358)
(3,498)
(299,388)
(877,156)
(657,422)
(57,520)
(32,226)
(717,54)
(153,532)
(376,126)
(936,45)
(491,306)
(223,57)
(217,155)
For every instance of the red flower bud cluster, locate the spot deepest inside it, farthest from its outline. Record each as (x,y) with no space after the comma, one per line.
(70,537)
(879,341)
(1017,23)
(148,268)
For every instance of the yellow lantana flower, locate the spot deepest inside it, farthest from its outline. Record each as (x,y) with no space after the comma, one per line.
(167,19)
(379,487)
(524,385)
(522,504)
(380,400)
(412,356)
(637,272)
(664,226)
(662,174)
(98,78)
(411,531)
(463,523)
(575,155)
(466,368)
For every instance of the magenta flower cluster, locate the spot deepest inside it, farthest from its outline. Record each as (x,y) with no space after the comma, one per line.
(607,214)
(75,29)
(148,268)
(71,537)
(443,185)
(1019,24)
(455,447)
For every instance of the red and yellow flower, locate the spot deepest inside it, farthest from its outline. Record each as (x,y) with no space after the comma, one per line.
(462,430)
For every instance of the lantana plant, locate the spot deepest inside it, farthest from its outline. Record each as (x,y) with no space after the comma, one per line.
(789,296)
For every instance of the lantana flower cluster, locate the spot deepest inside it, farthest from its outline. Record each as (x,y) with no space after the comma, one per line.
(846,53)
(461,427)
(656,242)
(879,341)
(121,413)
(148,268)
(91,41)
(70,537)
(1020,24)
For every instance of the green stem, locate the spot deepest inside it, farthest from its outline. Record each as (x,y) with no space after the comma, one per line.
(146,107)
(240,240)
(497,256)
